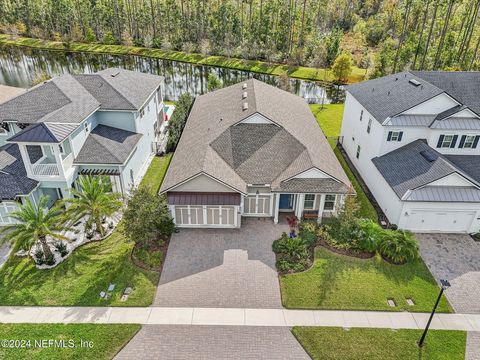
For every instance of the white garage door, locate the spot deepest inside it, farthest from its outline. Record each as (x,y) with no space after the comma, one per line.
(435,220)
(209,215)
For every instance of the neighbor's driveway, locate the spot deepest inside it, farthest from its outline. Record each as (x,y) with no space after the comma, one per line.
(455,257)
(231,268)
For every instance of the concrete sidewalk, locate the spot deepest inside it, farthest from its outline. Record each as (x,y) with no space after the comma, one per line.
(237,317)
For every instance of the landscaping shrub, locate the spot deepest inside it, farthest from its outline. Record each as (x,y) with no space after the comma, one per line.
(369,235)
(147,218)
(50,259)
(292,253)
(61,247)
(399,246)
(308,232)
(38,255)
(178,120)
(343,227)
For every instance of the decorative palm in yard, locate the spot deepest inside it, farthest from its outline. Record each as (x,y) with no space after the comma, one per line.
(93,199)
(35,223)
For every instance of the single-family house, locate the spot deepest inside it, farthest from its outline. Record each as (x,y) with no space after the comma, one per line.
(414,139)
(107,123)
(252,150)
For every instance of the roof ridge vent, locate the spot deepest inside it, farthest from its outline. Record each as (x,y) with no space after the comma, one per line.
(116,73)
(244,86)
(244,95)
(245,106)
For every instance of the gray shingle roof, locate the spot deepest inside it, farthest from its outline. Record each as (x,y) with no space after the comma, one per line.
(44,133)
(406,168)
(107,145)
(13,176)
(314,186)
(134,86)
(393,94)
(467,163)
(461,85)
(9,92)
(244,146)
(206,140)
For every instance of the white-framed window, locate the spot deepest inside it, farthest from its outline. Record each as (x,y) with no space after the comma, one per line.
(447,141)
(142,112)
(358,151)
(329,202)
(361,115)
(61,149)
(85,126)
(469,141)
(309,201)
(369,126)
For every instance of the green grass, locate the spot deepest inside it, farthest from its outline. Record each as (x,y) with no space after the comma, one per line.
(107,340)
(298,72)
(156,172)
(346,283)
(380,344)
(330,120)
(89,270)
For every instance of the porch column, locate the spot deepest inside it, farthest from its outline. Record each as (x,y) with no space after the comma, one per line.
(26,159)
(276,209)
(321,207)
(300,204)
(172,212)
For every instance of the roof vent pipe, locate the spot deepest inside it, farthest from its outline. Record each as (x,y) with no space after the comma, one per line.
(245,106)
(244,95)
(244,86)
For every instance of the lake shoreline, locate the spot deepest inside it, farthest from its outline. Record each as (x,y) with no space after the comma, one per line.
(260,67)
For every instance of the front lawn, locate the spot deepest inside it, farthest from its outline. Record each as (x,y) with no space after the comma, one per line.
(380,344)
(106,340)
(88,271)
(346,283)
(330,120)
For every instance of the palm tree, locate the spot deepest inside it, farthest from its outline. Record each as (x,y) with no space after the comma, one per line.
(35,224)
(93,199)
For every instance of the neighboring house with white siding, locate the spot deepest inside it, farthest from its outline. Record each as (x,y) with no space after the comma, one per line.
(414,139)
(107,123)
(252,150)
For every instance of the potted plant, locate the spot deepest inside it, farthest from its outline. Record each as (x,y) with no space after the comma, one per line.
(292,221)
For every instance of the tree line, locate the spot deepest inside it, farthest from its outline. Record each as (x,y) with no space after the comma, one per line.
(382,36)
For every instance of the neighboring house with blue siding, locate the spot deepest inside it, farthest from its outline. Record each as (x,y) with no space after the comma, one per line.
(107,123)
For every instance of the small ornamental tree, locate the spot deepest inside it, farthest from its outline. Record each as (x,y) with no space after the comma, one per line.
(342,68)
(147,219)
(343,226)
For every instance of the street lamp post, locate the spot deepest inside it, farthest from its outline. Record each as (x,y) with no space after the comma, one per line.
(444,285)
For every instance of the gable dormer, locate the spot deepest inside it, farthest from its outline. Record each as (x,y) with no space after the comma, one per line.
(257,118)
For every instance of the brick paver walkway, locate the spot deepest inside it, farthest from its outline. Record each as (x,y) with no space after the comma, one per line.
(456,257)
(213,342)
(222,267)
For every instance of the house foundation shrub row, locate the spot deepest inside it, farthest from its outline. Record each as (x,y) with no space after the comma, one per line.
(345,233)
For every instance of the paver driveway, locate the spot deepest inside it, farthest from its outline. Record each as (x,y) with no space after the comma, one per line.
(222,267)
(213,342)
(456,257)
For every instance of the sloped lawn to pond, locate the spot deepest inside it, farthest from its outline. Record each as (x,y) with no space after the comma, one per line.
(346,283)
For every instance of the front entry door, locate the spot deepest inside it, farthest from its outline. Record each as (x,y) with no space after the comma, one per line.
(286,202)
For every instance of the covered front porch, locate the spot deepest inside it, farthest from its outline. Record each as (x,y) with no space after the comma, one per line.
(306,206)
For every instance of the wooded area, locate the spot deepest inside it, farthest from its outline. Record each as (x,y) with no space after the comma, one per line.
(382,36)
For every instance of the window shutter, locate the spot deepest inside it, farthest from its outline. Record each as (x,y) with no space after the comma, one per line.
(400,135)
(462,141)
(475,142)
(440,141)
(389,137)
(454,141)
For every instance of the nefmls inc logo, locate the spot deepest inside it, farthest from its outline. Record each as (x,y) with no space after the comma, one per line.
(51,343)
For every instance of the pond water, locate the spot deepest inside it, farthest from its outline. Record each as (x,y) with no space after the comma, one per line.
(19,66)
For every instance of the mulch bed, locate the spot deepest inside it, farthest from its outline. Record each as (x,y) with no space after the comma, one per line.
(163,249)
(347,252)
